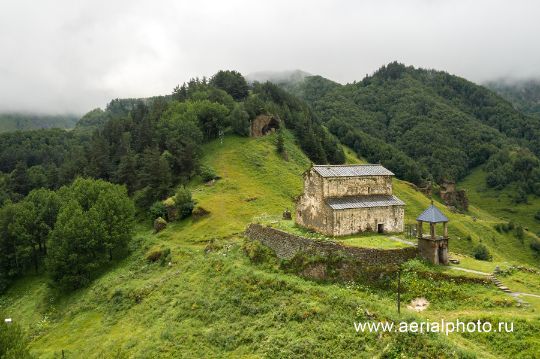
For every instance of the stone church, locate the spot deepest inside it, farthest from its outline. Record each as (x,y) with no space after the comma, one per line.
(349,199)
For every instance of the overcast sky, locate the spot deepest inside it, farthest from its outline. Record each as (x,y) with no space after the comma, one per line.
(72,56)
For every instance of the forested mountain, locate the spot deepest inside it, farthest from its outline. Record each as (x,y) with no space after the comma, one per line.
(23,121)
(78,254)
(429,125)
(153,144)
(150,146)
(523,94)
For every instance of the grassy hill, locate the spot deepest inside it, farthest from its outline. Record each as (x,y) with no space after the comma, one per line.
(501,202)
(209,300)
(19,121)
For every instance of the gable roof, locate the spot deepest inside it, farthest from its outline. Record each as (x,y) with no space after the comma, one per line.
(364,201)
(351,170)
(432,215)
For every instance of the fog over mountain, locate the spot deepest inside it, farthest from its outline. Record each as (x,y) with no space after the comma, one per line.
(62,56)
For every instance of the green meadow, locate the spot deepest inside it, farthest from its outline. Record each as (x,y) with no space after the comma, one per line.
(210,300)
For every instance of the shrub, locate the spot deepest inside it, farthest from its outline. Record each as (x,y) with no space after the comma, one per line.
(158,209)
(481,252)
(520,197)
(208,173)
(184,202)
(537,216)
(162,255)
(511,225)
(535,246)
(257,252)
(153,256)
(200,212)
(239,120)
(520,233)
(159,224)
(280,143)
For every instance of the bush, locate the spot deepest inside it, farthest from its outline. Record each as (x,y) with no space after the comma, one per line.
(280,143)
(208,173)
(239,120)
(537,216)
(481,252)
(162,255)
(183,201)
(520,233)
(158,209)
(511,225)
(257,252)
(535,246)
(159,224)
(200,212)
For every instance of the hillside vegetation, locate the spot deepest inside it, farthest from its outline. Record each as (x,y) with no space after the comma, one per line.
(20,121)
(206,299)
(501,203)
(80,285)
(523,94)
(428,125)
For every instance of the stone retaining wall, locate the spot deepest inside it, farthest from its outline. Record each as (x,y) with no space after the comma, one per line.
(287,245)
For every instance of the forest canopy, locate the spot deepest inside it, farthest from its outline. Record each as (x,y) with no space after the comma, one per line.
(425,124)
(68,198)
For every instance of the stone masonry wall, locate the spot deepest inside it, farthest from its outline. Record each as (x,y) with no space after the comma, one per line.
(311,211)
(357,186)
(287,245)
(355,220)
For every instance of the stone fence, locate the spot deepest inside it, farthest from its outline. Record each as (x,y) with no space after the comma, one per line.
(287,245)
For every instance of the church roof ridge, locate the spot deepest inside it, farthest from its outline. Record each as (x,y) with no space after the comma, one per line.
(352,170)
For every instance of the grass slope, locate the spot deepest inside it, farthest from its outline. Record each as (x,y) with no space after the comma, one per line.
(211,301)
(478,223)
(500,203)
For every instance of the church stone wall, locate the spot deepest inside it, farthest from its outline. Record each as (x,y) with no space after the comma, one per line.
(311,211)
(357,186)
(351,221)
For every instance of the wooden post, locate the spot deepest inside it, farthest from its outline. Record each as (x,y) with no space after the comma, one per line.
(419,229)
(399,290)
(445,228)
(432,230)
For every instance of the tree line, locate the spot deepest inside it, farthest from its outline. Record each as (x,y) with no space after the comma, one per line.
(428,125)
(68,197)
(71,234)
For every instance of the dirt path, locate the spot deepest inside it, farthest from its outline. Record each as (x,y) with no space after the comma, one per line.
(515,295)
(402,241)
(494,279)
(527,294)
(470,271)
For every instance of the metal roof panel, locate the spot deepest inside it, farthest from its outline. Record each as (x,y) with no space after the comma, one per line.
(364,201)
(352,170)
(432,215)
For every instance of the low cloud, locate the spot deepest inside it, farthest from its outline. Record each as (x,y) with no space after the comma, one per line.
(67,56)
